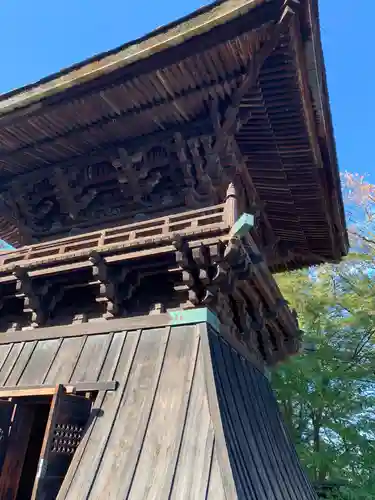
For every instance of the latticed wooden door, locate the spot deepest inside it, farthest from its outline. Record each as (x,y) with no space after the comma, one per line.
(6,412)
(65,427)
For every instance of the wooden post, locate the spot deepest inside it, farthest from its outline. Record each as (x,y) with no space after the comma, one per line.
(231,205)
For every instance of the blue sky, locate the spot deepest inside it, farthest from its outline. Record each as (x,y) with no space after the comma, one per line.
(43,36)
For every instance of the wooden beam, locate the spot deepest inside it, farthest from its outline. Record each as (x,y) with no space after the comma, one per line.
(132,146)
(99,326)
(252,73)
(92,328)
(104,152)
(50,390)
(303,82)
(308,108)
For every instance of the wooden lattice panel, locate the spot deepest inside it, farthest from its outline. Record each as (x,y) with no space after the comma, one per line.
(66,438)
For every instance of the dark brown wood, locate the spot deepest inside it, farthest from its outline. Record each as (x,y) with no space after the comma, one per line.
(109,370)
(65,429)
(13,461)
(113,290)
(6,412)
(231,121)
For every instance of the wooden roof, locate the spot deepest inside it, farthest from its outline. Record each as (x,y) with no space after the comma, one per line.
(190,419)
(163,82)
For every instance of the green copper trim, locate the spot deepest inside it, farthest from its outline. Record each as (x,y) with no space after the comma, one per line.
(191,316)
(243,225)
(267,374)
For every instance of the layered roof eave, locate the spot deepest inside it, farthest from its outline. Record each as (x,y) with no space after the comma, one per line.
(321,99)
(170,35)
(18,105)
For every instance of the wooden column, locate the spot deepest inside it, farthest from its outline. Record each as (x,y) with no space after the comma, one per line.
(231,205)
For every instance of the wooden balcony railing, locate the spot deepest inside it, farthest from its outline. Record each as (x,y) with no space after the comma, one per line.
(206,222)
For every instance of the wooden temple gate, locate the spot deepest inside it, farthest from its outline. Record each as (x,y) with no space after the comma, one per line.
(150,195)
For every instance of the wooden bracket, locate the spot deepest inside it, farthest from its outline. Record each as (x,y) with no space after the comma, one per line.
(110,284)
(190,273)
(116,285)
(40,300)
(69,194)
(212,269)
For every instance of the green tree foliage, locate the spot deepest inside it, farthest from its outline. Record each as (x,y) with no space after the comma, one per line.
(327,395)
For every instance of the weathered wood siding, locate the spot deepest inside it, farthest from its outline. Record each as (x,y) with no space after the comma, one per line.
(153,437)
(264,462)
(190,419)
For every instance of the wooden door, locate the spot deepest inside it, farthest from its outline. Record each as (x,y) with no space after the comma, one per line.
(16,449)
(65,427)
(6,413)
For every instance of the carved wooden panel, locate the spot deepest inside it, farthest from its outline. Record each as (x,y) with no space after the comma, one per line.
(178,173)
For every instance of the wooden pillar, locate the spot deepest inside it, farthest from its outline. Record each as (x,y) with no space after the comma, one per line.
(231,205)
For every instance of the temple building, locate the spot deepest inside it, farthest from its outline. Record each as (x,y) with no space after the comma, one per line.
(151,193)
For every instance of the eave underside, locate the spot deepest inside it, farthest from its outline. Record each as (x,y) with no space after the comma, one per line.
(285,150)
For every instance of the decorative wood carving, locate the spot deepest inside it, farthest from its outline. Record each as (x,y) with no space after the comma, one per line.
(218,276)
(70,194)
(179,173)
(200,189)
(11,212)
(138,175)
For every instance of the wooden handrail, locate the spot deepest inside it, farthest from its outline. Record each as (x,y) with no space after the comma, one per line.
(144,233)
